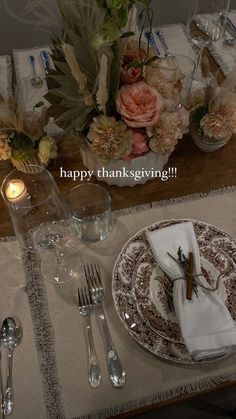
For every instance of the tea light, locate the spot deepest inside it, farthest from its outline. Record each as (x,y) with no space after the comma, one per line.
(16,191)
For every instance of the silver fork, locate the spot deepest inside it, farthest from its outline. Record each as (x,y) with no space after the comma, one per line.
(85,309)
(116,372)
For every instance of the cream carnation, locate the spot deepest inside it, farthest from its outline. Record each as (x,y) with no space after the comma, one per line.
(5,150)
(110,139)
(165,134)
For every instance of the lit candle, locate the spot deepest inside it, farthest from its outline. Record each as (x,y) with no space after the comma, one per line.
(16,191)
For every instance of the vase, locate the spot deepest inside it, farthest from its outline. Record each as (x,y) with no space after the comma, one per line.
(202,141)
(124,173)
(29,166)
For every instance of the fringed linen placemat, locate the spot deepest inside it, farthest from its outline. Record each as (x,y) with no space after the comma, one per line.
(50,367)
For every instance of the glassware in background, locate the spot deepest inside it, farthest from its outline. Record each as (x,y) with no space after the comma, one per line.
(186,66)
(205,23)
(90,206)
(41,220)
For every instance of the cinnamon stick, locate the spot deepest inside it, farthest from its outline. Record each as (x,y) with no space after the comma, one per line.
(189,278)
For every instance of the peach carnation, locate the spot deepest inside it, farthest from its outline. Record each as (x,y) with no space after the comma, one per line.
(139,104)
(217,124)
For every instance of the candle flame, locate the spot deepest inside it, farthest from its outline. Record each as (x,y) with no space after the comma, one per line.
(12,187)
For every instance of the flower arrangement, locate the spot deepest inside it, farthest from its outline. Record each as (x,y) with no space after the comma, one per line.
(213,108)
(108,84)
(22,136)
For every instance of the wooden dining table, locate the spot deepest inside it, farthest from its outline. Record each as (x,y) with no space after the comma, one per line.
(197,172)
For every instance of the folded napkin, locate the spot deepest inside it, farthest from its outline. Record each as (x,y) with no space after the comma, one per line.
(207,327)
(225,55)
(28,95)
(5,76)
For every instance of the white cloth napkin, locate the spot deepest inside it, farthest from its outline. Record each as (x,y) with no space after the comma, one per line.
(5,76)
(207,327)
(225,55)
(28,95)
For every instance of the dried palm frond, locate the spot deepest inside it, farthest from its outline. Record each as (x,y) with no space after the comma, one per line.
(67,101)
(78,75)
(102,93)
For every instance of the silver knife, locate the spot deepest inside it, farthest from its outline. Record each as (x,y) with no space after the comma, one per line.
(231,27)
(151,39)
(46,61)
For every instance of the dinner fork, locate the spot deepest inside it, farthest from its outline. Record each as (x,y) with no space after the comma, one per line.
(85,309)
(116,372)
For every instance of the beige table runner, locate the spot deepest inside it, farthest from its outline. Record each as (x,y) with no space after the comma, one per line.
(51,373)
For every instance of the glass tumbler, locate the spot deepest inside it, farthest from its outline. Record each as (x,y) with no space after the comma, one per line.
(90,206)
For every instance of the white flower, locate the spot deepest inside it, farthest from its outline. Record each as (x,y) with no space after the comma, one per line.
(47,149)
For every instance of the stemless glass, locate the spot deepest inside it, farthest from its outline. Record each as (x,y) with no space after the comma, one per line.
(90,206)
(41,220)
(206,23)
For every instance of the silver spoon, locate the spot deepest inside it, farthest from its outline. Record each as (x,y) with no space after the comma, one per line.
(229,41)
(11,334)
(36,81)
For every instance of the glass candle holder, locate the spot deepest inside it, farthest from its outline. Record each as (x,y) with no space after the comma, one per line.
(41,220)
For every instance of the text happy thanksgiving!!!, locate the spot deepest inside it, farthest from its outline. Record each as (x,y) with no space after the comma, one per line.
(85,175)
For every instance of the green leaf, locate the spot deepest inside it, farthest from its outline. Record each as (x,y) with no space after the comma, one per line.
(198,114)
(38,105)
(150,60)
(115,4)
(123,17)
(127,34)
(102,3)
(141,14)
(22,147)
(135,64)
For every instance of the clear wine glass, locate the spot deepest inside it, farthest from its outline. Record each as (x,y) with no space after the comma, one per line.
(41,220)
(206,23)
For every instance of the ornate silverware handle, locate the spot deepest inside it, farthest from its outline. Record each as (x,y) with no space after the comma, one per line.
(116,372)
(94,372)
(8,401)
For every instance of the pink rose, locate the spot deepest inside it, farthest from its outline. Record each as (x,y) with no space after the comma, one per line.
(139,104)
(128,74)
(140,146)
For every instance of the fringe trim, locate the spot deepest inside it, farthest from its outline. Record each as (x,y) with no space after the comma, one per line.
(7,239)
(208,383)
(219,59)
(173,201)
(44,336)
(6,59)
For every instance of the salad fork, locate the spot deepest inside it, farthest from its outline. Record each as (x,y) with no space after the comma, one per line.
(116,372)
(85,309)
